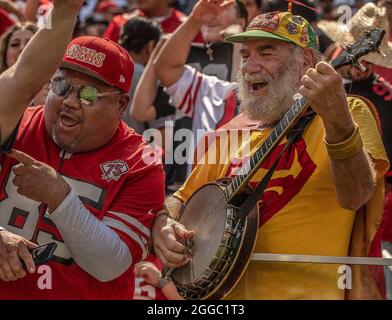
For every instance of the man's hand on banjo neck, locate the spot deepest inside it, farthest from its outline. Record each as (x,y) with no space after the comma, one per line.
(167,234)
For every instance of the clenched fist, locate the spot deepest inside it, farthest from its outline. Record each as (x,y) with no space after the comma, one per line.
(323,87)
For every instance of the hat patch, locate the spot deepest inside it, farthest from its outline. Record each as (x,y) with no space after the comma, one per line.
(122,79)
(292,28)
(269,22)
(86,55)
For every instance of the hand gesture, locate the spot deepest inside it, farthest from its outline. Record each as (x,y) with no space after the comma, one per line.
(38,181)
(323,87)
(205,11)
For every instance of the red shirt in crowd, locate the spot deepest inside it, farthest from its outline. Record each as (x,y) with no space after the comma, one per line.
(5,21)
(169,24)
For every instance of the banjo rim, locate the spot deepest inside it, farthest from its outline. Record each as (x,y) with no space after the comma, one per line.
(249,233)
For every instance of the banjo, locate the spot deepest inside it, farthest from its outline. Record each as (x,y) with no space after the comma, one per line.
(226,227)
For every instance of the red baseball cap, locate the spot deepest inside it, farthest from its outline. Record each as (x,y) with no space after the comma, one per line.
(102,59)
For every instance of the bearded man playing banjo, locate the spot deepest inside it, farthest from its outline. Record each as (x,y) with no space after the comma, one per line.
(311,205)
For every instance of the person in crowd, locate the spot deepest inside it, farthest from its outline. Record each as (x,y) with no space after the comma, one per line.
(372,86)
(150,285)
(158,10)
(311,204)
(12,43)
(185,83)
(139,37)
(73,172)
(213,58)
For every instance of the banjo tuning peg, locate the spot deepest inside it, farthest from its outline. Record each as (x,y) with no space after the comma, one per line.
(361,66)
(381,52)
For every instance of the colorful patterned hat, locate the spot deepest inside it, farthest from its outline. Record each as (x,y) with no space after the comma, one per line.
(282,26)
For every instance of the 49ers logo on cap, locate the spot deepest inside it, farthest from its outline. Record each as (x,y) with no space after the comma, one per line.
(113,170)
(86,55)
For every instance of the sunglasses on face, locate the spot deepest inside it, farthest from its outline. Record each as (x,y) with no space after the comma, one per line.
(87,95)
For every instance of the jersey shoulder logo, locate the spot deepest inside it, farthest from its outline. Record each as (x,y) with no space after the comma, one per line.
(113,170)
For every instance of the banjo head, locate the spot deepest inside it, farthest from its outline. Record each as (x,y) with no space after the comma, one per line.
(205,213)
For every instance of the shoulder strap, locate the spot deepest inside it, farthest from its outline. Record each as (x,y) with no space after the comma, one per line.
(295,133)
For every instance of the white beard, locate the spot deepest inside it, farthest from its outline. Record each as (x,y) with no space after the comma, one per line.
(270,108)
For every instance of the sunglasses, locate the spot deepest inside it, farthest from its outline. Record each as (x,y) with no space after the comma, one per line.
(87,95)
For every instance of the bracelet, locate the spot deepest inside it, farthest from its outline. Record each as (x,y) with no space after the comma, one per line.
(346,149)
(162,282)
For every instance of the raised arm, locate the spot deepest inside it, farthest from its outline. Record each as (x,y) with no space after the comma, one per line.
(170,62)
(142,107)
(37,63)
(351,167)
(31,10)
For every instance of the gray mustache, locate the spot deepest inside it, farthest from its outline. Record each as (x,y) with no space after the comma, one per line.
(256,77)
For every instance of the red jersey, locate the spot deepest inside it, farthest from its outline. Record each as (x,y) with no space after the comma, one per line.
(386,73)
(168,25)
(5,21)
(115,183)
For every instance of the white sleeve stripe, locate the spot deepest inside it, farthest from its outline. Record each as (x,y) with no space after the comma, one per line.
(137,224)
(187,98)
(196,93)
(110,222)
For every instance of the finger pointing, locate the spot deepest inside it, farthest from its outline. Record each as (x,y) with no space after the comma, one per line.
(22,157)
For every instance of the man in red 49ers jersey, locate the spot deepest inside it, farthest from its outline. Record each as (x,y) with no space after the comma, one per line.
(77,175)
